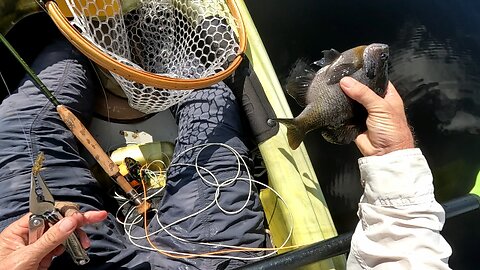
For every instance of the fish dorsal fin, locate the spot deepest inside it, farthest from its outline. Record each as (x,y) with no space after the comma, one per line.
(299,80)
(329,56)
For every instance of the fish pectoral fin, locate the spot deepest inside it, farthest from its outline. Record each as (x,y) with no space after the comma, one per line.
(336,73)
(299,80)
(341,135)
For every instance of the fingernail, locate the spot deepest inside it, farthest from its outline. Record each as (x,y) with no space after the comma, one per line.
(347,82)
(87,243)
(67,225)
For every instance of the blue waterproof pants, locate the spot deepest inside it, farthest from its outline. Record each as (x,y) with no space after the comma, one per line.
(29,124)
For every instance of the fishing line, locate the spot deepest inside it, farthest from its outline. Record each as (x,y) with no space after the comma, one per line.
(104,92)
(109,144)
(223,245)
(146,172)
(201,172)
(27,138)
(43,88)
(131,221)
(199,169)
(5,83)
(231,249)
(82,134)
(41,6)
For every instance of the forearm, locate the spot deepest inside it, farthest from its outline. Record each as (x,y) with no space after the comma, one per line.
(400,221)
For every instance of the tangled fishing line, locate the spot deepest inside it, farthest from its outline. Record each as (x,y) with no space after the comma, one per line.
(133,219)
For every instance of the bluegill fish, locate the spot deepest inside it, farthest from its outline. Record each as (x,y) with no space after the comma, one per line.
(327,108)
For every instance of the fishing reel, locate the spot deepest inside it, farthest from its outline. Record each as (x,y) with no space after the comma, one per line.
(131,170)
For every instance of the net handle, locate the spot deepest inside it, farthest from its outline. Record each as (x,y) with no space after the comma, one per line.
(105,61)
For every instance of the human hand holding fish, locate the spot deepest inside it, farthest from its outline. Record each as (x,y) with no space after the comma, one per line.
(339,118)
(387,127)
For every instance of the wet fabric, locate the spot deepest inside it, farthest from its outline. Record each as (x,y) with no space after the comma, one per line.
(29,124)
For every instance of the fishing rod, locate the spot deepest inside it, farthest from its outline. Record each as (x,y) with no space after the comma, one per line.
(83,135)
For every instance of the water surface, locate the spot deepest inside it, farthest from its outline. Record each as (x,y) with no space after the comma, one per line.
(435,65)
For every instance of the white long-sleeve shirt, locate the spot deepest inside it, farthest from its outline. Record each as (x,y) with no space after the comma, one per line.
(400,220)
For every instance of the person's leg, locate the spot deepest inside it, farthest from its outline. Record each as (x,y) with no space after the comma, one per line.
(29,123)
(209,116)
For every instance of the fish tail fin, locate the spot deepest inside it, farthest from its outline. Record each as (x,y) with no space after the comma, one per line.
(295,134)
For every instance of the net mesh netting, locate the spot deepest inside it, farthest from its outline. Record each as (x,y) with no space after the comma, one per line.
(188,39)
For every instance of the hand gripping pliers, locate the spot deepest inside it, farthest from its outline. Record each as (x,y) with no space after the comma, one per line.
(42,207)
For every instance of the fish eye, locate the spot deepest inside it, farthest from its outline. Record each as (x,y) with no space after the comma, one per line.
(384,56)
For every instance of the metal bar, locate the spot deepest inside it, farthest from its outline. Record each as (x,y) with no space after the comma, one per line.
(341,244)
(461,205)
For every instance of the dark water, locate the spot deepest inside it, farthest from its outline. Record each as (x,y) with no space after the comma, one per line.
(435,65)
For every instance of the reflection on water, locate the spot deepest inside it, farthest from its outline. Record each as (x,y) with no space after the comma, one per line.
(444,76)
(438,77)
(435,65)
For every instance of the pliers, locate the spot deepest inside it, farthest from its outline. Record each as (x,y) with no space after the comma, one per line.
(42,207)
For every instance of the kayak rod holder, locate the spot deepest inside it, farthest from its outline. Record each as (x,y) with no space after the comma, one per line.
(341,244)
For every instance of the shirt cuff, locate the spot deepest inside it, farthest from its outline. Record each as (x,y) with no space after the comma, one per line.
(398,178)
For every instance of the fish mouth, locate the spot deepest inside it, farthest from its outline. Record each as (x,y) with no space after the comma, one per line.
(375,60)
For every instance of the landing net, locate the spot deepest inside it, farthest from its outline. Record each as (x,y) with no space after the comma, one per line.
(157,50)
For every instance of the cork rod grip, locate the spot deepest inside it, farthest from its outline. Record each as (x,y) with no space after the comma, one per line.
(87,140)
